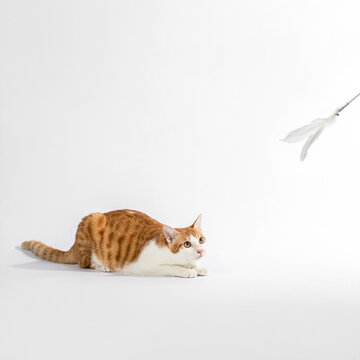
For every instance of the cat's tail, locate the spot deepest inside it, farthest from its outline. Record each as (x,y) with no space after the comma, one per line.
(48,253)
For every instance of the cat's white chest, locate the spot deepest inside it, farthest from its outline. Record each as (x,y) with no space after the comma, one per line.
(151,257)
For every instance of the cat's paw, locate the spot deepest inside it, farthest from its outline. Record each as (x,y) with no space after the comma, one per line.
(102,268)
(202,271)
(190,273)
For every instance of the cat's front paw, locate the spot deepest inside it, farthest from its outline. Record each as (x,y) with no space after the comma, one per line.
(202,271)
(190,273)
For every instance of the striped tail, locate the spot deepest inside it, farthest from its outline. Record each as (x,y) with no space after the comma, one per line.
(48,253)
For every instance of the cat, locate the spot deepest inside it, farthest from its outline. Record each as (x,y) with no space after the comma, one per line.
(131,242)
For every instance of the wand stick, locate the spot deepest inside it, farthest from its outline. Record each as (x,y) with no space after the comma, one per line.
(348,103)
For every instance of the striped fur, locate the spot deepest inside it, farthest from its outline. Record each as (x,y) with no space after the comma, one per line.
(114,240)
(48,253)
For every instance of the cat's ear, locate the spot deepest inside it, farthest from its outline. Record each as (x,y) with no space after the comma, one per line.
(169,233)
(197,223)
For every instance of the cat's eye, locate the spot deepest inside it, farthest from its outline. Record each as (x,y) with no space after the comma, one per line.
(187,244)
(201,240)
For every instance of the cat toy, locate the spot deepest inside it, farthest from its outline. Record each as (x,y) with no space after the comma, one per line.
(314,129)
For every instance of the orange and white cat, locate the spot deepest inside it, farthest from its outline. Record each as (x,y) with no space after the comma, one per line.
(131,242)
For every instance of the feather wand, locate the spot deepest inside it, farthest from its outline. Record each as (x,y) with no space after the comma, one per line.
(313,130)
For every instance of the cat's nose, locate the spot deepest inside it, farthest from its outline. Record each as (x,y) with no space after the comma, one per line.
(200,251)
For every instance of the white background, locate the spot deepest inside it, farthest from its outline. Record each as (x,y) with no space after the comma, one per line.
(176,108)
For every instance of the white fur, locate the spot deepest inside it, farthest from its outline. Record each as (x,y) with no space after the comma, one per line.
(98,264)
(155,260)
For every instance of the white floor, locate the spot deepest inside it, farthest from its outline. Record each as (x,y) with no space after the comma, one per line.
(176,108)
(51,311)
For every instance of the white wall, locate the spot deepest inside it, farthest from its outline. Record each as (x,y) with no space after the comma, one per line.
(176,108)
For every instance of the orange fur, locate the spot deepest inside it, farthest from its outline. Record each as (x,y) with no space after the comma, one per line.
(116,238)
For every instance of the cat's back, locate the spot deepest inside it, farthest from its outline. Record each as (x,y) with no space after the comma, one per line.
(132,226)
(129,218)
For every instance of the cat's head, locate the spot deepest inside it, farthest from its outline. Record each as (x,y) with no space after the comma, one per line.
(188,243)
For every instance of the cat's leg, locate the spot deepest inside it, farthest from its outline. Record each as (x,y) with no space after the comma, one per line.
(174,270)
(159,270)
(164,270)
(201,271)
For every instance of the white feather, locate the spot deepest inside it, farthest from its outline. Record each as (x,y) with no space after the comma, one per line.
(311,131)
(304,131)
(308,143)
